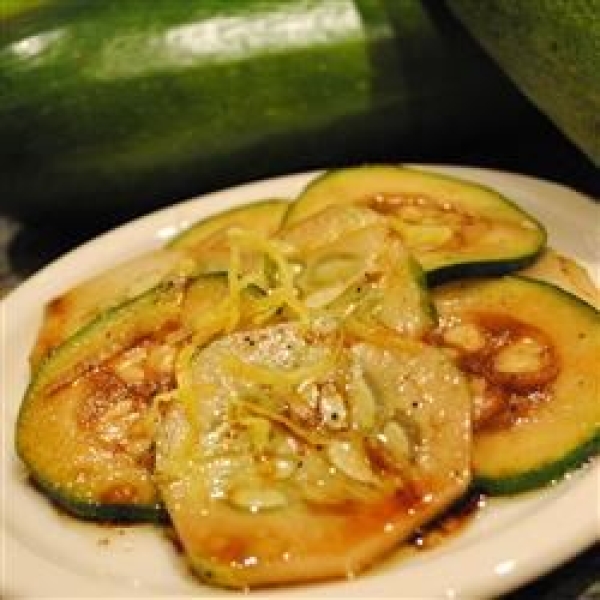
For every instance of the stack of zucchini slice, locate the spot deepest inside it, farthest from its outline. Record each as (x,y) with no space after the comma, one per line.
(299,386)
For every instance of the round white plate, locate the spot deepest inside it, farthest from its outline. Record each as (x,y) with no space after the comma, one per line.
(508,543)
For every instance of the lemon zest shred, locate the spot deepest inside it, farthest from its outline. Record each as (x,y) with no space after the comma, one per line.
(283,294)
(279,377)
(379,335)
(309,436)
(187,394)
(235,288)
(185,386)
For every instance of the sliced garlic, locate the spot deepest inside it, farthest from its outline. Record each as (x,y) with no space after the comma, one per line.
(284,466)
(423,236)
(334,268)
(396,441)
(329,277)
(526,355)
(333,408)
(467,336)
(351,460)
(130,366)
(255,498)
(162,358)
(324,296)
(413,213)
(362,400)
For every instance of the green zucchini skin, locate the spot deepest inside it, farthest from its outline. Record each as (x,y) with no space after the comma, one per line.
(115,107)
(543,475)
(49,449)
(551,51)
(103,512)
(517,240)
(563,431)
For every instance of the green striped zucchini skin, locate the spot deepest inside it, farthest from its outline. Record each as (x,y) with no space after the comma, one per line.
(51,440)
(564,431)
(481,256)
(102,512)
(112,108)
(551,51)
(543,475)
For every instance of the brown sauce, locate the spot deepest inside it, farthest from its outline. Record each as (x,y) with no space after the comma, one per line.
(507,397)
(448,525)
(388,204)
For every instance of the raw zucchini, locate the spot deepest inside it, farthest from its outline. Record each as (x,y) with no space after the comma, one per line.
(86,426)
(300,453)
(531,352)
(111,108)
(551,51)
(454,228)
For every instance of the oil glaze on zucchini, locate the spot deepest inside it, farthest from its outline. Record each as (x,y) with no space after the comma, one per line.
(301,452)
(531,353)
(350,262)
(454,228)
(87,423)
(282,382)
(201,248)
(85,427)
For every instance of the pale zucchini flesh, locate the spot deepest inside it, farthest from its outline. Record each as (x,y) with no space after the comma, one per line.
(302,453)
(86,426)
(350,262)
(531,352)
(454,228)
(203,247)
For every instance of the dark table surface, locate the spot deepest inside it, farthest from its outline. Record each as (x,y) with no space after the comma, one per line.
(537,149)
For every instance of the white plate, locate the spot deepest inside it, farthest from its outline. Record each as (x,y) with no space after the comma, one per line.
(508,543)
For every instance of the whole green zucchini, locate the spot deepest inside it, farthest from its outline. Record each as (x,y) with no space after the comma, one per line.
(117,106)
(551,51)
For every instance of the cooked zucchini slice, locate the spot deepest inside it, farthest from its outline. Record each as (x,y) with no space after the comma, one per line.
(362,273)
(326,226)
(202,248)
(454,228)
(70,311)
(207,240)
(300,452)
(86,426)
(531,353)
(564,273)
